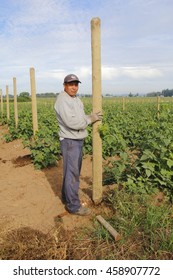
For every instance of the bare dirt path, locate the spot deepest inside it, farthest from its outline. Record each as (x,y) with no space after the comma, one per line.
(30,197)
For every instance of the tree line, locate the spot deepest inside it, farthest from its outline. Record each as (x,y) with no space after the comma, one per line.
(25,96)
(165,93)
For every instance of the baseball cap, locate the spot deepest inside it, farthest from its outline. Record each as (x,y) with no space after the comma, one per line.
(71,78)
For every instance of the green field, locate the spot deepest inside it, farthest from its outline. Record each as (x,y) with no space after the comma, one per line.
(133,129)
(137,143)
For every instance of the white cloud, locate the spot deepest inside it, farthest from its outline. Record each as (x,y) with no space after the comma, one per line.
(108,73)
(57,74)
(84,72)
(35,13)
(141,72)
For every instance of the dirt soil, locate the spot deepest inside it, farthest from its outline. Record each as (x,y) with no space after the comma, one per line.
(31,198)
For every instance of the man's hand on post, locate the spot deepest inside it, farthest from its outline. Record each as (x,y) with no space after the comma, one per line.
(96,117)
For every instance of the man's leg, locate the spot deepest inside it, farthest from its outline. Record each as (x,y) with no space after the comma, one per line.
(72,162)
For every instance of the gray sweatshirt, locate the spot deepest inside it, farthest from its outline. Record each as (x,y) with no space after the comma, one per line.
(71,117)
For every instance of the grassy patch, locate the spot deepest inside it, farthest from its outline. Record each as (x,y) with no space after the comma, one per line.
(145,224)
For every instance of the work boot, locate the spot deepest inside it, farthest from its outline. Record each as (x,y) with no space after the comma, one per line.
(82,211)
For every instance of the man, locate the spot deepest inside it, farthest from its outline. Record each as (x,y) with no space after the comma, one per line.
(72,123)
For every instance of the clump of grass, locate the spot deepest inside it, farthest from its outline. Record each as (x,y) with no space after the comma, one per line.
(145,226)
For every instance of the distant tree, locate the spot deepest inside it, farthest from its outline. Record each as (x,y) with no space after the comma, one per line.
(24,94)
(24,97)
(167,92)
(153,94)
(47,94)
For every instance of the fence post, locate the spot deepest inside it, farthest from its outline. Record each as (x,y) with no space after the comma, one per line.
(158,107)
(15,102)
(123,103)
(97,106)
(34,101)
(7,101)
(1,102)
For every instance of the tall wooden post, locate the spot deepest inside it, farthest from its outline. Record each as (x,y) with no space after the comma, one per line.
(15,102)
(34,101)
(1,102)
(7,103)
(97,106)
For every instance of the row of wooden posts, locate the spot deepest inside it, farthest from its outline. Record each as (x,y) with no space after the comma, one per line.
(33,99)
(34,103)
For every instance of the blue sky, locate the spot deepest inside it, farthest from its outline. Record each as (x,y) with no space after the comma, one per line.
(54,37)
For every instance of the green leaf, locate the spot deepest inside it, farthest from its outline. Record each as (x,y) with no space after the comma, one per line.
(148,165)
(148,172)
(170,163)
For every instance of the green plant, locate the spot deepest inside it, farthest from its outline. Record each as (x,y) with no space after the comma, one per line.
(45,149)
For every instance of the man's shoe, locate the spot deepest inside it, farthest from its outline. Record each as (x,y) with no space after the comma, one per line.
(83,211)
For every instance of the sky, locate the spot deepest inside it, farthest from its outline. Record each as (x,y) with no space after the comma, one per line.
(54,38)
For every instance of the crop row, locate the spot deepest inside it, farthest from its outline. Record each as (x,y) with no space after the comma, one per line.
(137,144)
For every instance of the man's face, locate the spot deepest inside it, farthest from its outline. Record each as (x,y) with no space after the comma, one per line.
(71,88)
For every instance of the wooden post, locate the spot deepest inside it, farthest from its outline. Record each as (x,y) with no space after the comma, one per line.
(123,103)
(15,102)
(1,96)
(7,101)
(111,230)
(34,101)
(158,107)
(97,106)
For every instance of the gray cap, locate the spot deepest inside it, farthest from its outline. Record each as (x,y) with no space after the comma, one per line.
(71,78)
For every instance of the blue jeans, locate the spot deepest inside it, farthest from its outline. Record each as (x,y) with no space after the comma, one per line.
(72,162)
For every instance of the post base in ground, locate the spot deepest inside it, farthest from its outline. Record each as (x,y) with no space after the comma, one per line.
(97,201)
